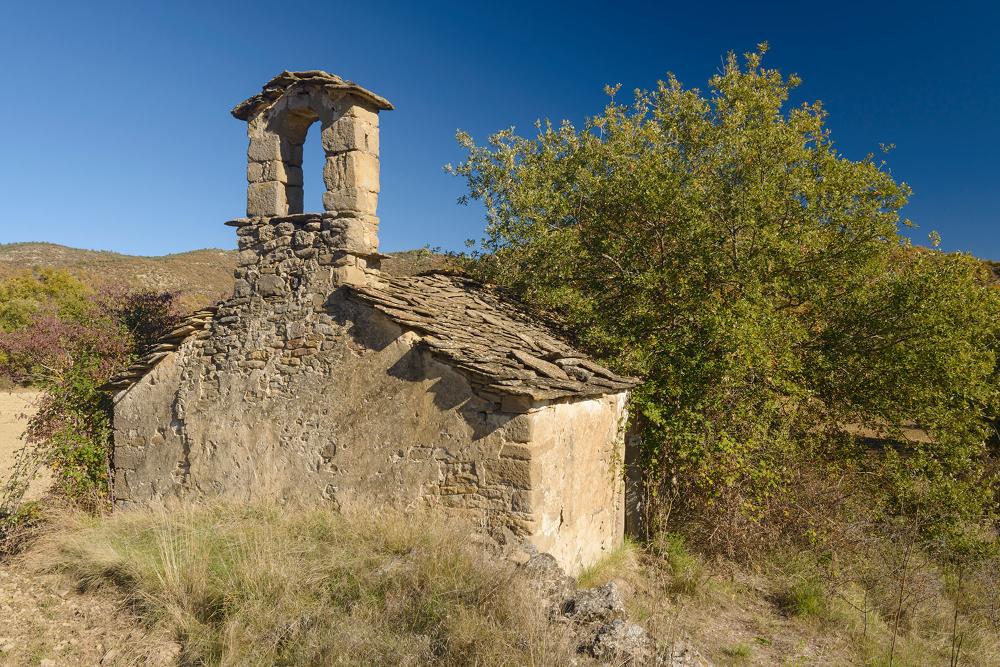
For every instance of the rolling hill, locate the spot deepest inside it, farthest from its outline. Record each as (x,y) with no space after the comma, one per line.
(200,277)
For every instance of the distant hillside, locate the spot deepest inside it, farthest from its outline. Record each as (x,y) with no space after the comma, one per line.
(200,276)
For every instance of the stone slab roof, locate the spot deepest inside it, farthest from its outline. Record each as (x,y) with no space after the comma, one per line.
(277,87)
(195,324)
(492,340)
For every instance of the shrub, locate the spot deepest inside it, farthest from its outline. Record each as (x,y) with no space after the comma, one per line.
(721,247)
(259,584)
(68,356)
(805,596)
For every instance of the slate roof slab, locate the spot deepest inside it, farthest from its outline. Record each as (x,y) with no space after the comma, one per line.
(495,342)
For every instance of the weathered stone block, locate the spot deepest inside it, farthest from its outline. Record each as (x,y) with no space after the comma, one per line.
(515,451)
(271,147)
(292,174)
(351,199)
(522,501)
(354,235)
(348,275)
(271,285)
(363,112)
(274,170)
(295,198)
(303,239)
(127,457)
(520,429)
(350,133)
(511,472)
(247,258)
(122,487)
(241,288)
(266,199)
(354,169)
(255,172)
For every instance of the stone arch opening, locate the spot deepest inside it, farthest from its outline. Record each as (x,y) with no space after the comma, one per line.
(348,130)
(284,137)
(313,163)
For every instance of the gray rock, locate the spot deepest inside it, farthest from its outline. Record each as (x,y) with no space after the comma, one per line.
(682,654)
(549,580)
(623,643)
(593,605)
(270,285)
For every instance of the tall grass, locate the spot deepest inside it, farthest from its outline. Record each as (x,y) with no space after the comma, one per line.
(263,585)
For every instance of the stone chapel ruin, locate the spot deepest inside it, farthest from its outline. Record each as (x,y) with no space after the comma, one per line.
(322,379)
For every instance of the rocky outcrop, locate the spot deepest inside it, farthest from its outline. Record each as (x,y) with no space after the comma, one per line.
(599,620)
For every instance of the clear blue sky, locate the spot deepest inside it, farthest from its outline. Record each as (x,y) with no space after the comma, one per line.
(117,134)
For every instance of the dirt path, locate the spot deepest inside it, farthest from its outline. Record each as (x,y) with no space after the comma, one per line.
(44,622)
(15,409)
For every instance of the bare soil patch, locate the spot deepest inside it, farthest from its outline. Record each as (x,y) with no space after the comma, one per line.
(16,408)
(44,621)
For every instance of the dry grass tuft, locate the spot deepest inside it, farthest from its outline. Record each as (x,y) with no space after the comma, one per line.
(263,585)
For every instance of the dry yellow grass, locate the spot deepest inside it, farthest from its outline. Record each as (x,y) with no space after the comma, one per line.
(201,277)
(788,611)
(265,585)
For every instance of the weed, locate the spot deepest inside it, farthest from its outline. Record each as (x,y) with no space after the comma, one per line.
(611,566)
(738,654)
(687,570)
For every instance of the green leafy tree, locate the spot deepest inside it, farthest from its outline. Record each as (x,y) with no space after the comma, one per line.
(26,294)
(720,246)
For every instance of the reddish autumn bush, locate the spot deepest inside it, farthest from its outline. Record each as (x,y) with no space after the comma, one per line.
(68,356)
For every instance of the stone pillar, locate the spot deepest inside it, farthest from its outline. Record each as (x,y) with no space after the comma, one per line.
(278,119)
(274,172)
(351,175)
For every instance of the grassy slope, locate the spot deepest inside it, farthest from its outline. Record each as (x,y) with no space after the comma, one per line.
(260,584)
(265,585)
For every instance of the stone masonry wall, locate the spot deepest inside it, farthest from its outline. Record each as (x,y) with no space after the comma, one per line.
(297,392)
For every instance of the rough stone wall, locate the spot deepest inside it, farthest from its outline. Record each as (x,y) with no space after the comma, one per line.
(297,392)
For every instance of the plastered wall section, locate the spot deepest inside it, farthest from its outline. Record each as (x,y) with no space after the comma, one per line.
(577,472)
(380,418)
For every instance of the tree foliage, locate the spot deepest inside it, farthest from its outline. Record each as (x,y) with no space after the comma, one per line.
(721,247)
